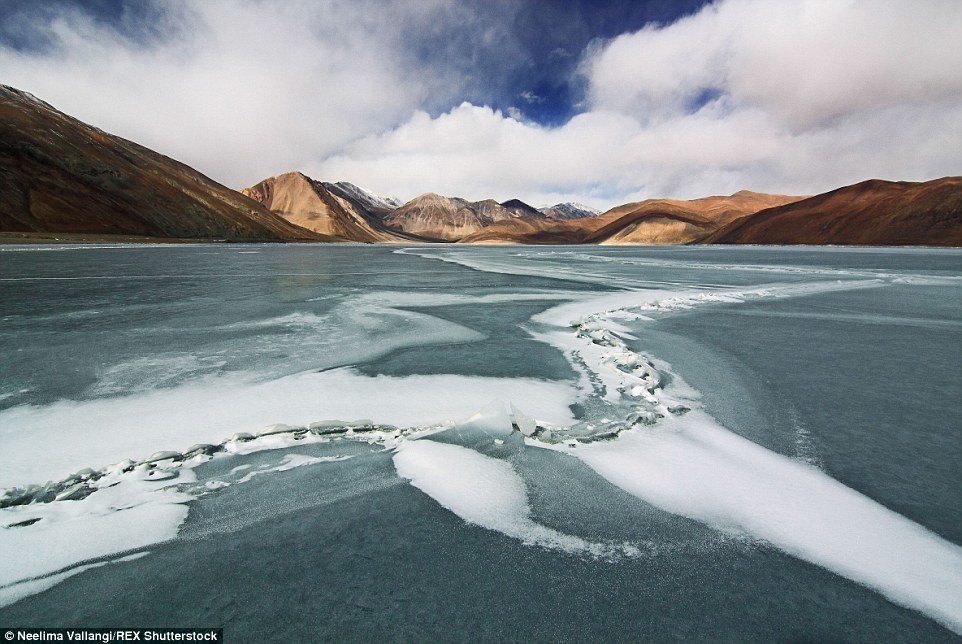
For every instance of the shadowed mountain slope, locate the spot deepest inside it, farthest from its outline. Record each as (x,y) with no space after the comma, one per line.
(59,175)
(875,212)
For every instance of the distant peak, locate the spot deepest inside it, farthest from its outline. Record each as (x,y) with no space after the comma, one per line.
(568,210)
(429,196)
(517,203)
(293,174)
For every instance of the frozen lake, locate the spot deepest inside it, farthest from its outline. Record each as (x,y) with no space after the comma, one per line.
(495,443)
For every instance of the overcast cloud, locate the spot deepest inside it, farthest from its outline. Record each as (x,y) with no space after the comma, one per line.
(240,90)
(789,96)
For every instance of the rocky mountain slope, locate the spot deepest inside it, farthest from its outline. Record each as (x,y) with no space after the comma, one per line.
(568,210)
(340,210)
(874,212)
(349,212)
(59,175)
(436,217)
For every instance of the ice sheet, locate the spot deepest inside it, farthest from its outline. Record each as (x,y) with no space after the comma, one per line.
(686,464)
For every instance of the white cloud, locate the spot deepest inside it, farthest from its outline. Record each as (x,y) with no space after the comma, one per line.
(805,62)
(790,96)
(240,90)
(793,96)
(476,152)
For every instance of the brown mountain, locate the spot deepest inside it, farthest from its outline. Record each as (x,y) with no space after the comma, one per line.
(339,210)
(883,213)
(58,175)
(654,221)
(439,218)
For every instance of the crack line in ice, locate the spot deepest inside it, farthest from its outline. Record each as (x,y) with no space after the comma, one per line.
(111,429)
(123,507)
(291,461)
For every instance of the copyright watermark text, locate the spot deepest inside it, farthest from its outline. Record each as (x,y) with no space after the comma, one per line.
(112,635)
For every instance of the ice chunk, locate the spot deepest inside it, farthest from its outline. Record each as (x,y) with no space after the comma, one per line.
(493,422)
(526,424)
(276,428)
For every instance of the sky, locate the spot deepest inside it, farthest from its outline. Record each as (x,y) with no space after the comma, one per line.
(595,101)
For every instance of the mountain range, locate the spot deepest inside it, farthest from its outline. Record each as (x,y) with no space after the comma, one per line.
(62,177)
(654,221)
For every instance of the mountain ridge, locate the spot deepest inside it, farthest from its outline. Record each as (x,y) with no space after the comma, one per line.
(441,218)
(871,212)
(60,175)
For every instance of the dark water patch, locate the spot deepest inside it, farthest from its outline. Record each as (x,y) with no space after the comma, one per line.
(506,351)
(569,496)
(878,401)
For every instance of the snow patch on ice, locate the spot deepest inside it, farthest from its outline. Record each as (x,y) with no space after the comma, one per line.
(671,454)
(693,467)
(127,511)
(17,591)
(486,492)
(49,442)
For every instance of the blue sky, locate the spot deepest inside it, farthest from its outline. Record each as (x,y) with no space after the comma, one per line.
(596,101)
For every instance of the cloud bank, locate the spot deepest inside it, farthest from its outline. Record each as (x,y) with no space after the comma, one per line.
(238,89)
(790,96)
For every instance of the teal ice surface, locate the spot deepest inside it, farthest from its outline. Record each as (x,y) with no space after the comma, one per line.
(860,383)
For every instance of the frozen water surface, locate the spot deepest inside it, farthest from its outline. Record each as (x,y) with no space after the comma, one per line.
(742,444)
